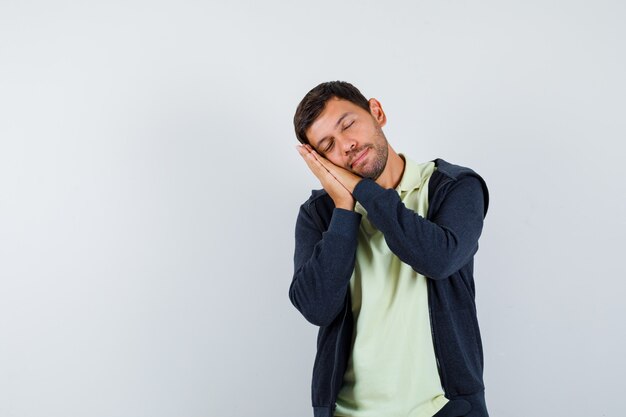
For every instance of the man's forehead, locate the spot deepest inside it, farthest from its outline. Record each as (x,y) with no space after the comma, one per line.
(334,110)
(336,105)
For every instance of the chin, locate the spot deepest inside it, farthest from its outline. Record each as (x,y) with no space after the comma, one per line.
(376,171)
(371,175)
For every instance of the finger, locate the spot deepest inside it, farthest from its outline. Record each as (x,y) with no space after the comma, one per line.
(308,150)
(319,157)
(322,167)
(302,150)
(314,165)
(331,167)
(330,173)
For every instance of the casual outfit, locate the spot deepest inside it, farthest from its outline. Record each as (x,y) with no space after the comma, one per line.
(391,286)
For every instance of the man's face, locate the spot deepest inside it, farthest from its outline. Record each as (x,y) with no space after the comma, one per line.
(351,137)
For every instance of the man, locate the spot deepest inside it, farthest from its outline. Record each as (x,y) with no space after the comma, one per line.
(384,266)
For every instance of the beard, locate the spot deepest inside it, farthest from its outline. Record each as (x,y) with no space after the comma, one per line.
(379,157)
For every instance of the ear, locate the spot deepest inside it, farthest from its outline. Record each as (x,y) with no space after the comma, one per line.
(377,112)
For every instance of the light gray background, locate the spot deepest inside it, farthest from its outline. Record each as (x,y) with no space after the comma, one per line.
(149,188)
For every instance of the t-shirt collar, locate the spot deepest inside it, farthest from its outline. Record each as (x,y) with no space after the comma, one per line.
(411,177)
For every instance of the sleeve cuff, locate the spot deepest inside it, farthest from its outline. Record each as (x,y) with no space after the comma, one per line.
(344,222)
(366,189)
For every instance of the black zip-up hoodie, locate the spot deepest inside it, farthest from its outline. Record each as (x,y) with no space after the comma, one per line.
(440,247)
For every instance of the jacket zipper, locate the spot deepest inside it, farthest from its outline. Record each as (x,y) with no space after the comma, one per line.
(430,298)
(435,345)
(333,376)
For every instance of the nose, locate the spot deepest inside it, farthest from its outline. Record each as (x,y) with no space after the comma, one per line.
(349,145)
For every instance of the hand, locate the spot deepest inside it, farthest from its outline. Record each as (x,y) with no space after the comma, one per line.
(348,179)
(340,195)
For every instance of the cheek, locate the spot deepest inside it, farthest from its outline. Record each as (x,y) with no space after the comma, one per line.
(364,135)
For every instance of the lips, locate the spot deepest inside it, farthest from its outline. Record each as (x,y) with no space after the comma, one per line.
(359,157)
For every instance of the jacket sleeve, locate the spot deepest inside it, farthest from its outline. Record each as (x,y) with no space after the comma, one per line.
(435,248)
(323,264)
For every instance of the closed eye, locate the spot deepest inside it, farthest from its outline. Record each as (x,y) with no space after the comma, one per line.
(347,126)
(330,146)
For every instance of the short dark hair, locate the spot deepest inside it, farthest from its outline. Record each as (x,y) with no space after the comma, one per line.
(315,100)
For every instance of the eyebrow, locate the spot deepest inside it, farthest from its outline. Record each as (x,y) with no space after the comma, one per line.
(343,116)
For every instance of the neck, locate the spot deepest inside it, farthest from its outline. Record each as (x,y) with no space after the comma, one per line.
(392,174)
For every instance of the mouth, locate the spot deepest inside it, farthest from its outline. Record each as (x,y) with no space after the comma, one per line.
(359,157)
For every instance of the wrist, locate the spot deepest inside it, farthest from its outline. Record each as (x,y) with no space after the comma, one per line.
(346,205)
